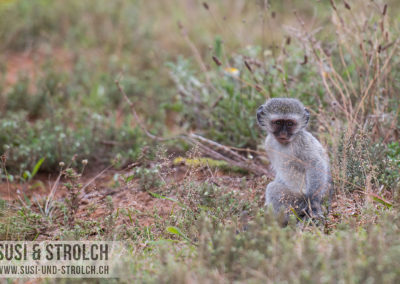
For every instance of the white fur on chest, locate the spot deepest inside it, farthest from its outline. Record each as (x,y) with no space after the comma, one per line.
(289,167)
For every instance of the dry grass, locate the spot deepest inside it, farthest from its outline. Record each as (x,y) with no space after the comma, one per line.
(202,220)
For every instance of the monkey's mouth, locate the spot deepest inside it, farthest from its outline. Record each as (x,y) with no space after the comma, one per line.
(283,140)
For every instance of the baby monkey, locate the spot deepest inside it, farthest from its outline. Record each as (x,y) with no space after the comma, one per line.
(300,162)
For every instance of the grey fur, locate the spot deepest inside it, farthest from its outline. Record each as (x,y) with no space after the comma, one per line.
(303,176)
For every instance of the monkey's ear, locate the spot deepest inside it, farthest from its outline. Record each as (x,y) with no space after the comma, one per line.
(307,115)
(260,115)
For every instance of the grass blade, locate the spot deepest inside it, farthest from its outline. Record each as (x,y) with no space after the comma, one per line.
(36,168)
(174,230)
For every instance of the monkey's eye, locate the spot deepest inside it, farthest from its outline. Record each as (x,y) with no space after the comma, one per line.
(289,123)
(278,122)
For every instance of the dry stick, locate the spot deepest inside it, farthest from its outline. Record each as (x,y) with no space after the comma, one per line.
(354,59)
(319,60)
(96,177)
(247,150)
(326,85)
(356,23)
(217,145)
(336,84)
(374,79)
(197,55)
(195,52)
(350,51)
(52,192)
(377,83)
(231,157)
(253,76)
(345,96)
(220,26)
(328,88)
(207,7)
(263,17)
(282,70)
(334,79)
(194,140)
(348,73)
(211,152)
(369,62)
(55,186)
(377,71)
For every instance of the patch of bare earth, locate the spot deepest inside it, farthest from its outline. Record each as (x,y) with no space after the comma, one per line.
(146,208)
(30,64)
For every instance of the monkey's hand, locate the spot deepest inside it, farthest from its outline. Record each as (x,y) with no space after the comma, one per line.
(314,209)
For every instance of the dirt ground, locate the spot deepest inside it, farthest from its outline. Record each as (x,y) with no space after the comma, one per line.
(30,64)
(130,196)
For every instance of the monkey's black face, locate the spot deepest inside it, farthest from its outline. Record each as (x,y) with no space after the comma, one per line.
(283,130)
(283,125)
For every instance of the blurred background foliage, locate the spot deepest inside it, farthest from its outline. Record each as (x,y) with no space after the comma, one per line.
(60,60)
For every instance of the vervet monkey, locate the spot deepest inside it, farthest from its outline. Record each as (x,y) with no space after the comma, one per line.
(300,162)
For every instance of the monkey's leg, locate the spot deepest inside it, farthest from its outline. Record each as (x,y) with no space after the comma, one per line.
(284,200)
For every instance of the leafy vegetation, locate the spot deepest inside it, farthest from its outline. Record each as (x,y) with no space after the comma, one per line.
(187,66)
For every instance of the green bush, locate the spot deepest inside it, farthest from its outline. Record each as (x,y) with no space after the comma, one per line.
(221,103)
(55,140)
(390,168)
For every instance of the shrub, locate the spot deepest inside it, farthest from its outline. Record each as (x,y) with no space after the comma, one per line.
(53,139)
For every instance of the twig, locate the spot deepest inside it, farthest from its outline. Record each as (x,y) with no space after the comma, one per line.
(208,147)
(96,177)
(195,52)
(211,148)
(49,199)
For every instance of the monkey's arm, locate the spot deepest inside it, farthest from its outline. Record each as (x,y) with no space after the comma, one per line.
(316,183)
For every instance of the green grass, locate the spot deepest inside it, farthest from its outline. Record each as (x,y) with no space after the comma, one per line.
(206,221)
